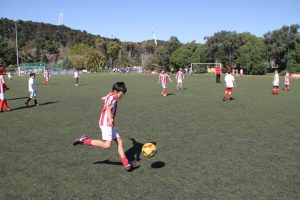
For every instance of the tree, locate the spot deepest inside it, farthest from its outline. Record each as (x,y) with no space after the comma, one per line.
(251,54)
(113,48)
(223,46)
(188,53)
(95,60)
(78,54)
(280,43)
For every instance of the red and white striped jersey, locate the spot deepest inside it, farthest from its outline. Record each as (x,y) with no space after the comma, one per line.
(163,78)
(109,101)
(179,75)
(2,83)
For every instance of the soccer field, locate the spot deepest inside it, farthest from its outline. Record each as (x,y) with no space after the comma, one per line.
(247,148)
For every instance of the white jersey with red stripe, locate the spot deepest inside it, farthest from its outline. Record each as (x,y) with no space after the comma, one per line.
(2,83)
(109,101)
(163,78)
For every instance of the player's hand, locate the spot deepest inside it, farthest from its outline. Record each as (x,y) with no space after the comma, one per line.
(110,122)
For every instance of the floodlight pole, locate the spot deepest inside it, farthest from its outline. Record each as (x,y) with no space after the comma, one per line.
(17,50)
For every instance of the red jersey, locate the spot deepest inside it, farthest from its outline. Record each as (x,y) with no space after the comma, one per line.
(109,101)
(218,70)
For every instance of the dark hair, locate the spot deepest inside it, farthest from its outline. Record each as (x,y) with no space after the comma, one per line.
(119,87)
(32,74)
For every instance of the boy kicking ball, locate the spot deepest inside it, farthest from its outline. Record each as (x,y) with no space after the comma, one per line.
(163,77)
(107,125)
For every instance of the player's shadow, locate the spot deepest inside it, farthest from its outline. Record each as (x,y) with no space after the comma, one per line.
(108,162)
(171,94)
(134,152)
(17,98)
(48,103)
(32,105)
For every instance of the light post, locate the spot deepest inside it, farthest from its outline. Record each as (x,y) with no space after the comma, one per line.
(17,50)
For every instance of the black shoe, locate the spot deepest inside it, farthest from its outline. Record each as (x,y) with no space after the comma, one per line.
(224,99)
(80,140)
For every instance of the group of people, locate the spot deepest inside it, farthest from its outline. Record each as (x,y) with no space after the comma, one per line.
(31,87)
(164,77)
(276,81)
(107,118)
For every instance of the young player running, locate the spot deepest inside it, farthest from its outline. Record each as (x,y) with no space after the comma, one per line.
(32,90)
(179,77)
(163,77)
(230,83)
(107,125)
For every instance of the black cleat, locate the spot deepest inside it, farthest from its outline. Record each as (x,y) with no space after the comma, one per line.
(80,140)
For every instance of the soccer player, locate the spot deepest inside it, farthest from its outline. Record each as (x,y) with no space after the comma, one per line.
(179,77)
(218,72)
(230,83)
(107,125)
(163,77)
(241,72)
(275,83)
(46,76)
(76,77)
(3,88)
(287,81)
(31,89)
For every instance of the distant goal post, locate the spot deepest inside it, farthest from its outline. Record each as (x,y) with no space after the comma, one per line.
(204,67)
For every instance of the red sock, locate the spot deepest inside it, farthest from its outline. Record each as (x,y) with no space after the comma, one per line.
(165,91)
(124,161)
(87,141)
(5,105)
(229,96)
(1,105)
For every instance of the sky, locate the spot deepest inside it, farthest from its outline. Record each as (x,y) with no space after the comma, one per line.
(134,20)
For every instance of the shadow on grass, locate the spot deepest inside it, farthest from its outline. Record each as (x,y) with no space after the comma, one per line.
(171,94)
(108,162)
(47,103)
(158,164)
(30,106)
(17,98)
(134,152)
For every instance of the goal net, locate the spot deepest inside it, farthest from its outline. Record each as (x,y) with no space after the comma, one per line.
(205,67)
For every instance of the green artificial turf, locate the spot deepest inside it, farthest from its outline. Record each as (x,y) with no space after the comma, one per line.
(247,148)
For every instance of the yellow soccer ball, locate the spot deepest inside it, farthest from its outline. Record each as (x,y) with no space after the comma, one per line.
(149,150)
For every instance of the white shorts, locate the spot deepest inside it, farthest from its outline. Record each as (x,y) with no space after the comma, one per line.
(179,80)
(109,133)
(32,94)
(2,95)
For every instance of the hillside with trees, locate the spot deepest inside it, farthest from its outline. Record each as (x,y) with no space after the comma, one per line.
(69,48)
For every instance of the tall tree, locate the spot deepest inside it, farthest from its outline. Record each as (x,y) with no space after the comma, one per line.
(280,43)
(251,54)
